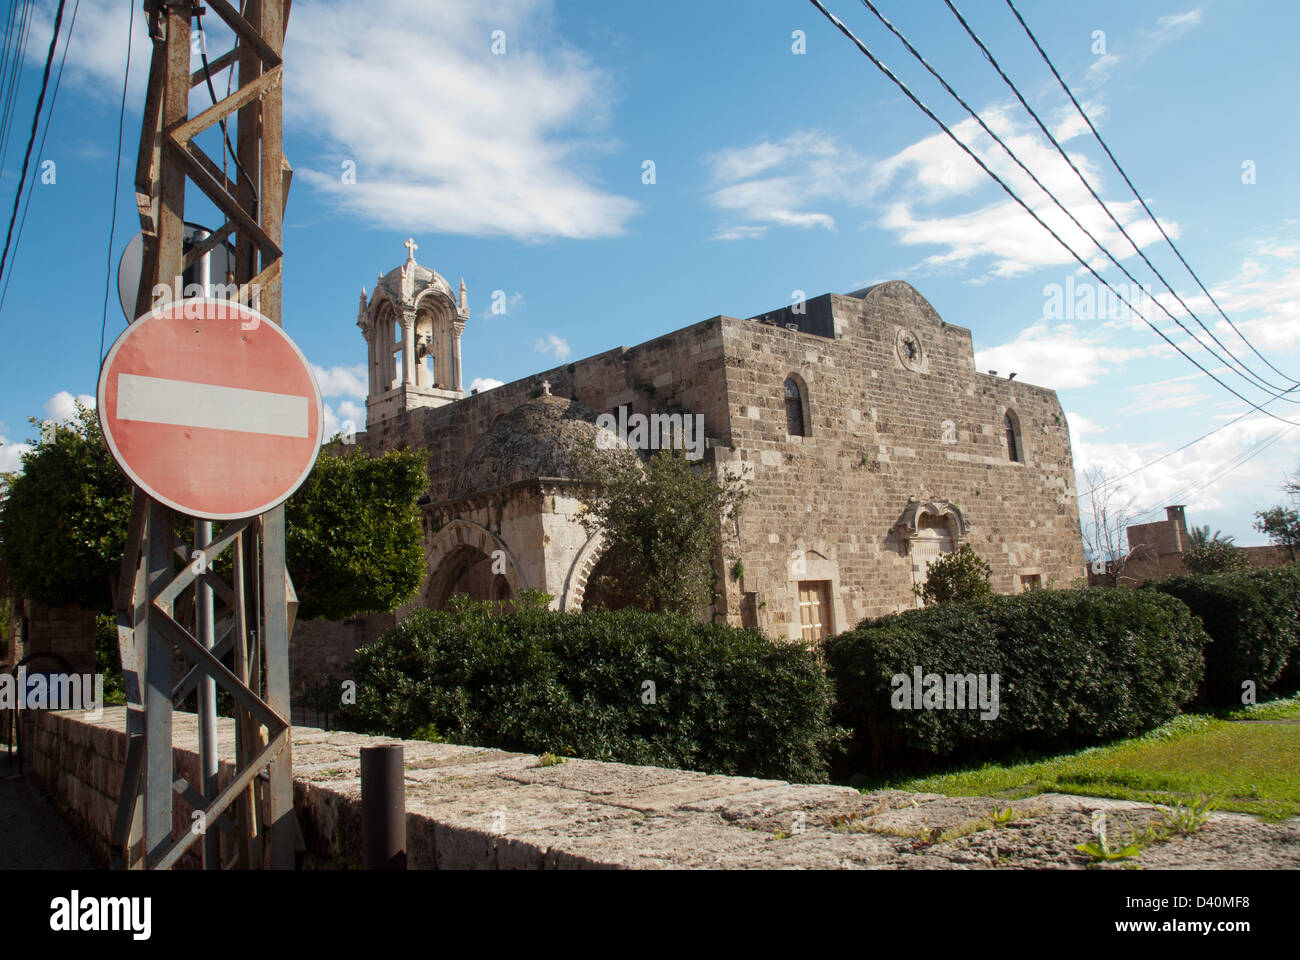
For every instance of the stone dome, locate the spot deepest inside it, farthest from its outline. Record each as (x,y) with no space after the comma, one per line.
(539,438)
(422,278)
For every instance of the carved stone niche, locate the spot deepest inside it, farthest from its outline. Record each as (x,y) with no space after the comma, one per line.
(925,521)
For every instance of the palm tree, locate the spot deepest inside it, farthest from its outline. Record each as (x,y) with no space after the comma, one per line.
(1201,536)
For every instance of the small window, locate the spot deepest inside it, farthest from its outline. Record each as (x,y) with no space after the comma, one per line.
(794,424)
(1031,581)
(1014,452)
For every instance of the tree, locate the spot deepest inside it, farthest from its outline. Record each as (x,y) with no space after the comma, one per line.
(1282,525)
(1213,556)
(1106,516)
(662,523)
(63,525)
(1201,536)
(956,577)
(353,540)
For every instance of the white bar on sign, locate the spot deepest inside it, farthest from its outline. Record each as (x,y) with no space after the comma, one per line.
(181,403)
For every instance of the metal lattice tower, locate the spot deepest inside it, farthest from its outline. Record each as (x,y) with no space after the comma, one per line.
(256,600)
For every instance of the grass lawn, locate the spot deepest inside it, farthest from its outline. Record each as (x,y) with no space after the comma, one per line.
(1247,767)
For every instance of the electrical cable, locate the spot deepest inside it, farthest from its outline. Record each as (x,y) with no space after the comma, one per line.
(1115,220)
(1122,173)
(862,47)
(31,140)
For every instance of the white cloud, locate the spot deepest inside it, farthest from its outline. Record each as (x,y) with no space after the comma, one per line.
(97,51)
(1174,25)
(1059,357)
(777,183)
(1235,468)
(446,136)
(354,412)
(557,347)
(11,455)
(803,180)
(482,384)
(341,381)
(62,407)
(1176,394)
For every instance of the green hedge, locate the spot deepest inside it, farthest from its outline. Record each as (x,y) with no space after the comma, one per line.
(1074,667)
(1253,619)
(726,700)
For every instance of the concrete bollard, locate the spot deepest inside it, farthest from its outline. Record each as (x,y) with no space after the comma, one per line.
(383,808)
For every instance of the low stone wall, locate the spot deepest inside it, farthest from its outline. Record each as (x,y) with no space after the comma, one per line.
(470,808)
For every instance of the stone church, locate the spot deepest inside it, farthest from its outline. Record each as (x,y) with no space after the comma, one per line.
(870,443)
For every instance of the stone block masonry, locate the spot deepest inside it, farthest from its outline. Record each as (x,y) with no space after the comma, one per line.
(475,808)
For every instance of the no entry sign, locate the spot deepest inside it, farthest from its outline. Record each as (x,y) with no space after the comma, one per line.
(210,409)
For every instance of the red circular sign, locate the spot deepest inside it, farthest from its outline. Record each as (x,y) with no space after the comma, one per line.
(210,409)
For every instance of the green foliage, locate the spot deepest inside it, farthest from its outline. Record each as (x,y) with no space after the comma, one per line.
(1213,556)
(662,522)
(957,577)
(6,623)
(1282,526)
(1073,666)
(1201,535)
(626,686)
(354,540)
(63,526)
(1107,847)
(108,660)
(1253,619)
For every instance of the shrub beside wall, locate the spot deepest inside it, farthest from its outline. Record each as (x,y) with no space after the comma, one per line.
(723,700)
(1253,620)
(1074,667)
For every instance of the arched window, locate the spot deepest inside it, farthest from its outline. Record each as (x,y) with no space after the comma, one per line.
(794,423)
(1014,451)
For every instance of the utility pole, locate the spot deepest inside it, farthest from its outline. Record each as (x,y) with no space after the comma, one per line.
(255,808)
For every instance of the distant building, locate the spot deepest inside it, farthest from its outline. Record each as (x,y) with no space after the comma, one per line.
(1156,550)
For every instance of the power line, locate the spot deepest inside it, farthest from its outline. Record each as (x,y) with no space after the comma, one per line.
(1014,196)
(1249,375)
(1122,173)
(1218,473)
(40,152)
(117,176)
(31,140)
(1191,443)
(1115,220)
(13,74)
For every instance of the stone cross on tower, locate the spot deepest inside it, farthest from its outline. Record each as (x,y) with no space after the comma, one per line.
(411,246)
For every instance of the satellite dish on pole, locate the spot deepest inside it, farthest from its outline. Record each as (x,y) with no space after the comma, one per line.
(216,264)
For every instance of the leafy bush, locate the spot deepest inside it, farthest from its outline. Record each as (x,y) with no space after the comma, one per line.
(354,540)
(956,577)
(1213,556)
(722,700)
(1253,620)
(1073,667)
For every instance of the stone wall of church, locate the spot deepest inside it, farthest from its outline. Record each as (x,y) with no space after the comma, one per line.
(828,503)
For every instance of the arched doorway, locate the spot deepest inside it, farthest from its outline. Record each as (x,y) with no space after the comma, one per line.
(466,570)
(604,590)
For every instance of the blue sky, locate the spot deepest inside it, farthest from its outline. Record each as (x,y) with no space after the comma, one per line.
(775,171)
